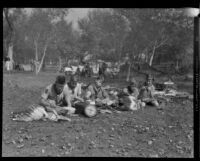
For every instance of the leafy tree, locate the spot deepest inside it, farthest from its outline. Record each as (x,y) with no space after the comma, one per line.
(10,18)
(103,33)
(65,41)
(153,29)
(41,32)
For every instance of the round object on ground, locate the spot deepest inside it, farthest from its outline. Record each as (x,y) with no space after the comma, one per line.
(90,110)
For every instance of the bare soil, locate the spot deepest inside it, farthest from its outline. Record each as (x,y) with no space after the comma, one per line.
(143,133)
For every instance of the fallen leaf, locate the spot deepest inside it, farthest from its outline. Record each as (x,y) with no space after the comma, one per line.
(20,146)
(111,146)
(43,151)
(150,142)
(153,155)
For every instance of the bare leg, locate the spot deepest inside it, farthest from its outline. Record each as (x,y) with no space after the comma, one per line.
(155,103)
(60,117)
(70,110)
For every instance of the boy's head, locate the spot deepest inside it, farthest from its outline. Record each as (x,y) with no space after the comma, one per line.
(133,82)
(59,83)
(99,81)
(132,85)
(73,81)
(149,80)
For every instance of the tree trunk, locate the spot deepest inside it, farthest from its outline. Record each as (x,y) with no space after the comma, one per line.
(36,58)
(10,54)
(152,56)
(43,65)
(44,53)
(11,36)
(6,46)
(60,63)
(36,52)
(177,66)
(129,72)
(146,59)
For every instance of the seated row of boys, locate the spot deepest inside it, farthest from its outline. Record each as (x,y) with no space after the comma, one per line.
(62,93)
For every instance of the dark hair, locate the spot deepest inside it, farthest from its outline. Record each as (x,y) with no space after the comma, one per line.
(149,76)
(133,82)
(60,79)
(100,78)
(73,78)
(73,82)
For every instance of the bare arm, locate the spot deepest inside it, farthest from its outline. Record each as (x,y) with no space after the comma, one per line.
(89,92)
(79,98)
(152,91)
(78,94)
(125,90)
(136,93)
(141,93)
(44,102)
(105,94)
(68,99)
(48,105)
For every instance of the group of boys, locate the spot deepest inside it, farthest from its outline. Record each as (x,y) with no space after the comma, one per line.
(66,94)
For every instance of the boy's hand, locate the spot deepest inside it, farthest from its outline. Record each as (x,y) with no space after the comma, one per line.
(52,103)
(55,112)
(146,99)
(80,99)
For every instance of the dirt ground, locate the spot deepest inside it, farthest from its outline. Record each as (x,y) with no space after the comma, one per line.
(143,133)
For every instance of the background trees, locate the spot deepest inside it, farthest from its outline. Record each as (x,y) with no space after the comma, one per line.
(151,36)
(11,16)
(103,33)
(164,34)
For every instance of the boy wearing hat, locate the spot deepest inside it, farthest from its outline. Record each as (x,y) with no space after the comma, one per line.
(51,104)
(146,94)
(54,97)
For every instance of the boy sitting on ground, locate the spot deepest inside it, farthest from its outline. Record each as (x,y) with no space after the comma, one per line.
(97,93)
(73,91)
(132,89)
(128,100)
(146,94)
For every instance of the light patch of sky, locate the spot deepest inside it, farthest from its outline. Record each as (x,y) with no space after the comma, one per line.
(75,14)
(28,11)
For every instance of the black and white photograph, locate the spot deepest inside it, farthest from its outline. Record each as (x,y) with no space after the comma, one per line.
(99,82)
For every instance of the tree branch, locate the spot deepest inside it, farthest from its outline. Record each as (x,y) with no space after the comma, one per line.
(161,43)
(7,19)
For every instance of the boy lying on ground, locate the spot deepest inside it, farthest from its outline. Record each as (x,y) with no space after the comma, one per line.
(53,103)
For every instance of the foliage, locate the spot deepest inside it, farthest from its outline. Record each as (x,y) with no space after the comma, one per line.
(162,35)
(103,33)
(150,26)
